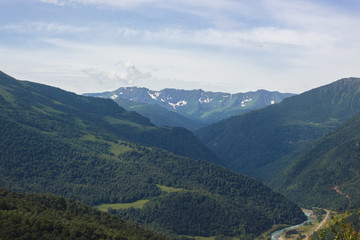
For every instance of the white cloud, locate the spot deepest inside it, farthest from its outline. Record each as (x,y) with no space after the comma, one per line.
(123,4)
(270,37)
(125,74)
(56,2)
(255,37)
(127,32)
(220,13)
(186,69)
(241,23)
(242,45)
(31,27)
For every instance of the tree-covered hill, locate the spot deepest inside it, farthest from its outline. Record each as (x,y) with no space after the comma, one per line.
(54,110)
(251,141)
(327,173)
(96,171)
(35,216)
(67,147)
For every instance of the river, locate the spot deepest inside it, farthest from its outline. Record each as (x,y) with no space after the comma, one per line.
(276,235)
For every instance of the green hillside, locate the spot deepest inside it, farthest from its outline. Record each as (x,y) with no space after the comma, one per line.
(50,109)
(58,142)
(34,216)
(250,142)
(327,173)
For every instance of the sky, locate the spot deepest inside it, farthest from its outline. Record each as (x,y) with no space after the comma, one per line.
(216,45)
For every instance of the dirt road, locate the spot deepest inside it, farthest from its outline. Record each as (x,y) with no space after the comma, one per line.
(321,224)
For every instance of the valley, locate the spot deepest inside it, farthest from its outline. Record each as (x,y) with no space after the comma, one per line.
(304,147)
(93,151)
(164,179)
(181,120)
(317,219)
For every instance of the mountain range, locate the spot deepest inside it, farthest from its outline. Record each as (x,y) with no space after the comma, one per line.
(90,149)
(198,108)
(94,151)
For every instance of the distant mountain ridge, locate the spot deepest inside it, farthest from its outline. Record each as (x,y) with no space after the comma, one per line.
(202,107)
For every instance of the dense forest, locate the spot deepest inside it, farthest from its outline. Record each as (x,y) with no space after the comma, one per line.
(325,174)
(35,216)
(58,142)
(94,178)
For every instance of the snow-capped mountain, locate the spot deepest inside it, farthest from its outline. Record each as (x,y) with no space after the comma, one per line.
(198,105)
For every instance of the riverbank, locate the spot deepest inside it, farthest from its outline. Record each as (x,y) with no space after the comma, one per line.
(278,234)
(317,219)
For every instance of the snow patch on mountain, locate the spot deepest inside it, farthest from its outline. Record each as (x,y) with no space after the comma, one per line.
(243,102)
(206,100)
(113,97)
(154,95)
(178,104)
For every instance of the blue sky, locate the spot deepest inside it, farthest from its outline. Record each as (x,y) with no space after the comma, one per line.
(230,46)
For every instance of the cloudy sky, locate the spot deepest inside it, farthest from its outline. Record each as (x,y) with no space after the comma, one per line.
(217,45)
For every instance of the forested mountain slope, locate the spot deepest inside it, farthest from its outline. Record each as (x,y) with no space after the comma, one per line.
(48,107)
(58,142)
(251,141)
(327,173)
(35,217)
(202,107)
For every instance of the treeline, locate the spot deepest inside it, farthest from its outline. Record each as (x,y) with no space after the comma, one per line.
(198,214)
(34,216)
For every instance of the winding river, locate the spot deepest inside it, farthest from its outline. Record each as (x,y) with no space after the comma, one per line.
(276,235)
